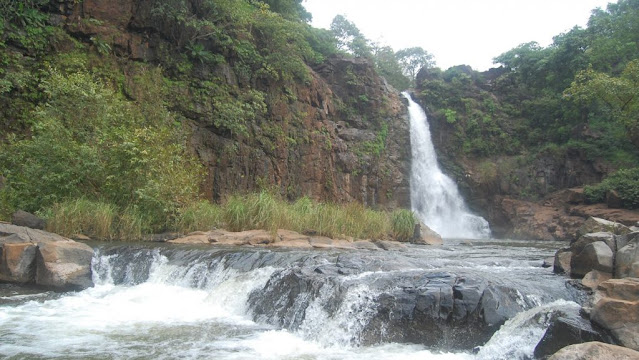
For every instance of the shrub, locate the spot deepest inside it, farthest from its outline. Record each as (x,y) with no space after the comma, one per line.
(625,182)
(200,215)
(403,224)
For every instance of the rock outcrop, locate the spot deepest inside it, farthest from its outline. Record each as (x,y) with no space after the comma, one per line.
(595,351)
(31,256)
(627,259)
(292,239)
(567,329)
(602,249)
(616,308)
(440,309)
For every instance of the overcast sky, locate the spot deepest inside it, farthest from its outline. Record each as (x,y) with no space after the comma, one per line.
(457,32)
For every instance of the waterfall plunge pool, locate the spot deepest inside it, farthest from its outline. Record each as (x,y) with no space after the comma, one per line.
(189,302)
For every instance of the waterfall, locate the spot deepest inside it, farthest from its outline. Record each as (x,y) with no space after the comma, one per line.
(434,196)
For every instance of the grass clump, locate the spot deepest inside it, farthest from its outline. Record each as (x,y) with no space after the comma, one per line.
(200,215)
(403,224)
(82,216)
(263,210)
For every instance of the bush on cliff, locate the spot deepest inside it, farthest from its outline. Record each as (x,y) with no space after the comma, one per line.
(624,182)
(89,142)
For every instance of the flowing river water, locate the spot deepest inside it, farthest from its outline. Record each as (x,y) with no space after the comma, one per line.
(158,301)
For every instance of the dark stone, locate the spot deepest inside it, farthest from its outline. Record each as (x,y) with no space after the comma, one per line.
(594,256)
(567,330)
(405,306)
(23,218)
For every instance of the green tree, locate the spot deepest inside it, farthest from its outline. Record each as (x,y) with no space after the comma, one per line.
(413,59)
(619,94)
(349,38)
(388,66)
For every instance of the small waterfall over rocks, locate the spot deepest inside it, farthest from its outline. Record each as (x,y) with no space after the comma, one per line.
(153,301)
(434,196)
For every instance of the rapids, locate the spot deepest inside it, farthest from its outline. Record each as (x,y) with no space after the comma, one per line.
(192,302)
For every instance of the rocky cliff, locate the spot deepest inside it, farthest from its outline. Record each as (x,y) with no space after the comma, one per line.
(337,133)
(525,187)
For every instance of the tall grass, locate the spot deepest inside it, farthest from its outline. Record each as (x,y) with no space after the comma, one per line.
(82,216)
(263,210)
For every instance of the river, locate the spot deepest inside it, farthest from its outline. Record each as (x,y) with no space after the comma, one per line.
(160,301)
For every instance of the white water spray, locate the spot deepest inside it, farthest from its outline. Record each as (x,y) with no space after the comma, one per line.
(434,196)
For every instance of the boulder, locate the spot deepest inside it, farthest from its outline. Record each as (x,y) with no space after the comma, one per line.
(23,218)
(606,237)
(594,224)
(595,351)
(627,260)
(64,265)
(423,235)
(548,262)
(46,259)
(613,200)
(594,278)
(594,256)
(17,260)
(567,329)
(440,309)
(616,308)
(562,261)
(623,240)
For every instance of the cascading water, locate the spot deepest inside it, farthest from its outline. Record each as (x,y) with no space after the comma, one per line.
(434,196)
(162,302)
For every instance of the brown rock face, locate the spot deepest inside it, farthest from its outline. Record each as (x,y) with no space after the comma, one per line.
(36,256)
(595,351)
(330,153)
(426,236)
(17,262)
(64,265)
(616,308)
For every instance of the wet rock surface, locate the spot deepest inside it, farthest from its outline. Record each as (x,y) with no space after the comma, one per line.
(31,256)
(595,351)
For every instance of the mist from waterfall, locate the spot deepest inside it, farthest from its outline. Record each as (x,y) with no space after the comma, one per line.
(434,196)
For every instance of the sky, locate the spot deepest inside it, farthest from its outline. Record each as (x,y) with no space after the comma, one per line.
(456,32)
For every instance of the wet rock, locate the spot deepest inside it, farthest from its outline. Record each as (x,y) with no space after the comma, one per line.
(595,351)
(594,256)
(567,329)
(31,255)
(616,308)
(548,262)
(423,235)
(562,261)
(390,245)
(407,306)
(23,218)
(627,260)
(64,265)
(17,260)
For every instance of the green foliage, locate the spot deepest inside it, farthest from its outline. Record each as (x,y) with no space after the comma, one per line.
(413,59)
(82,216)
(388,66)
(403,224)
(349,38)
(87,141)
(624,182)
